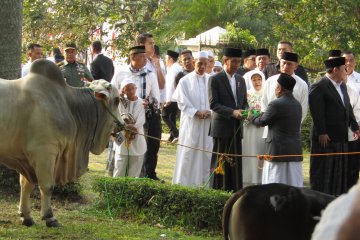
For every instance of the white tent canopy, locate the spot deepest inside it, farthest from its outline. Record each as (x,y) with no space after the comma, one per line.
(210,38)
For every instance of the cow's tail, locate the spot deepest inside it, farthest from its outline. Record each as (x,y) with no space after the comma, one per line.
(227,211)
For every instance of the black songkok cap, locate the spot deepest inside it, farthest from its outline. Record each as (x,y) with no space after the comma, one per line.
(232,52)
(335,53)
(248,53)
(262,51)
(172,54)
(136,49)
(286,81)
(334,62)
(289,56)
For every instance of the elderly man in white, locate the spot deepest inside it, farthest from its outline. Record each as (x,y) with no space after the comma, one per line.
(288,64)
(192,167)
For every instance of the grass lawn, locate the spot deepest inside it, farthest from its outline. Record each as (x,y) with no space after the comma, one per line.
(81,221)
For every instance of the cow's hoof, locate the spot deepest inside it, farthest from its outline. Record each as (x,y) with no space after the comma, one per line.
(52,223)
(28,222)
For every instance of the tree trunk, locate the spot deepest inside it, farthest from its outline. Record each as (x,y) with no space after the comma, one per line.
(10,65)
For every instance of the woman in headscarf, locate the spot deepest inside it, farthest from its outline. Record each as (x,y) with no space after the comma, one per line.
(253,144)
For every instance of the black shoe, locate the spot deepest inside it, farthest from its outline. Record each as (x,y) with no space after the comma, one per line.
(170,139)
(157,179)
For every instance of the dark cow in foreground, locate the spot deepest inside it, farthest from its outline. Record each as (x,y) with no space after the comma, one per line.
(48,128)
(273,212)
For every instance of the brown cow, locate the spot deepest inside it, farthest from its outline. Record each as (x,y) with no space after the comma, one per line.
(47,129)
(272,212)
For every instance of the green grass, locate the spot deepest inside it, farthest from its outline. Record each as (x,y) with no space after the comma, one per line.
(81,221)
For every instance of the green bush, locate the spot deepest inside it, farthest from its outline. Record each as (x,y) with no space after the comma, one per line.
(171,205)
(9,180)
(306,132)
(70,190)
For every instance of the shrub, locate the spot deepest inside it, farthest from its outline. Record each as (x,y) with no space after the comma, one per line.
(70,190)
(9,180)
(306,132)
(171,205)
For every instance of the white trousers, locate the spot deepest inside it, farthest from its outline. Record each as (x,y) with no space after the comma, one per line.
(289,173)
(133,163)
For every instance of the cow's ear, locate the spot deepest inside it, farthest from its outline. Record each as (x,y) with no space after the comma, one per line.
(101,96)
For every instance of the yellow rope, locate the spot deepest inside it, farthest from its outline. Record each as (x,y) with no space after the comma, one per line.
(265,157)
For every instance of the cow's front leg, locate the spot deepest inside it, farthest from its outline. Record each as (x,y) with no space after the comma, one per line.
(45,175)
(46,211)
(24,206)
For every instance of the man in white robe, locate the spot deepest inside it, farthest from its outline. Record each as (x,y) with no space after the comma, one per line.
(288,64)
(192,167)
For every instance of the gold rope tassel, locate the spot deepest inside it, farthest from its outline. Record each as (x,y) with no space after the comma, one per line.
(128,138)
(219,169)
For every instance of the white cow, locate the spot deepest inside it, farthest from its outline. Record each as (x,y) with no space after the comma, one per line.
(47,129)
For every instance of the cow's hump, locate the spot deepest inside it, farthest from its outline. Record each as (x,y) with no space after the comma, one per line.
(49,70)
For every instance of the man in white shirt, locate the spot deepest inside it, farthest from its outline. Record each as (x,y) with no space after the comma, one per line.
(34,52)
(148,90)
(192,166)
(170,109)
(352,76)
(153,63)
(288,63)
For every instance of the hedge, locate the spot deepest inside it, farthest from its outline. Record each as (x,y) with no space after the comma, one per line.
(306,128)
(170,205)
(9,184)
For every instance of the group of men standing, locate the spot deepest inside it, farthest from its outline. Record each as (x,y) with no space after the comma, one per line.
(212,111)
(334,107)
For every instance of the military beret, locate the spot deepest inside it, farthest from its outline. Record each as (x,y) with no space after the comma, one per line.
(69,46)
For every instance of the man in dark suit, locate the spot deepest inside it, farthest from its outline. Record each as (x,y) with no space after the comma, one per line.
(283,116)
(102,67)
(332,116)
(227,97)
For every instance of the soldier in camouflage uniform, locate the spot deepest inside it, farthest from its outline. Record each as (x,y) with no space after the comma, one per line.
(75,73)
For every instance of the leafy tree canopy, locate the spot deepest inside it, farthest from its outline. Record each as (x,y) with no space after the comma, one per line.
(314,26)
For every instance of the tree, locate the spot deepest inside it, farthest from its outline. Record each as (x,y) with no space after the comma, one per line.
(52,23)
(10,64)
(313,26)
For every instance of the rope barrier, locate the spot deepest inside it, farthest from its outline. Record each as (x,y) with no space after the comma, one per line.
(265,157)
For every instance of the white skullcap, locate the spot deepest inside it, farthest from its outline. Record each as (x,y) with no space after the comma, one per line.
(201,54)
(218,64)
(210,53)
(126,82)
